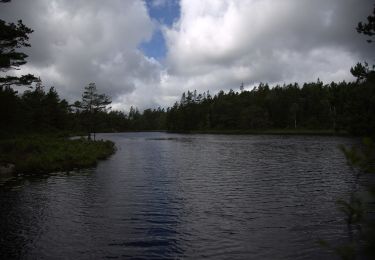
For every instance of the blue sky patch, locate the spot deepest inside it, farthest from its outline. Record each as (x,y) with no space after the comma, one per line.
(165,12)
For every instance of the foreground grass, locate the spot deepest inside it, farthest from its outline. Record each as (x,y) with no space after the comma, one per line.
(48,154)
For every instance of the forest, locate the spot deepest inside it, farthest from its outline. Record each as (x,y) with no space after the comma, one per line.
(41,110)
(344,107)
(340,107)
(42,132)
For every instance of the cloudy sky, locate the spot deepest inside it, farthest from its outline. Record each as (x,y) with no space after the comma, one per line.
(146,53)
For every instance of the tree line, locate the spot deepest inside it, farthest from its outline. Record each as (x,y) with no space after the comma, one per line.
(343,106)
(340,107)
(41,110)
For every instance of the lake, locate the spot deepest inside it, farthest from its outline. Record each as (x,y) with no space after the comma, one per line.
(172,196)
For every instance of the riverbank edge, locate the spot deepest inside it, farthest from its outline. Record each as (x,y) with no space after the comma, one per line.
(267,132)
(43,155)
(323,132)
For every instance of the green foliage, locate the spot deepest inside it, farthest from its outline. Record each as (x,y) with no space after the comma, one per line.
(341,107)
(13,37)
(362,158)
(34,111)
(362,71)
(41,110)
(92,103)
(360,222)
(36,154)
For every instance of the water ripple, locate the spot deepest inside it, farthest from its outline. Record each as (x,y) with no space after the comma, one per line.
(170,196)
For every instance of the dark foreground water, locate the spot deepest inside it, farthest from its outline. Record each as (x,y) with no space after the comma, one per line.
(184,196)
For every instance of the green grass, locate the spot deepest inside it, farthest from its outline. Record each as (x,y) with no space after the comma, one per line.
(37,154)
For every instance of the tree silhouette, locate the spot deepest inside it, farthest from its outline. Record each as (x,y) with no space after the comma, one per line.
(93,103)
(13,37)
(369,27)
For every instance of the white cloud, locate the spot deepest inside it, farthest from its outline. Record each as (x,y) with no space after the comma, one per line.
(78,42)
(217,44)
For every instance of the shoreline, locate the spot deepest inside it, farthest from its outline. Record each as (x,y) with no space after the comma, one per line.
(268,132)
(244,132)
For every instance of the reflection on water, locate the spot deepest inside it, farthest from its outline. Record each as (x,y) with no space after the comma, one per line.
(184,196)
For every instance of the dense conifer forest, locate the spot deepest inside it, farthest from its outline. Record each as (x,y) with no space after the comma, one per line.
(341,107)
(344,107)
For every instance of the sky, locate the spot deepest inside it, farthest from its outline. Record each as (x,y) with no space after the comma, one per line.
(146,53)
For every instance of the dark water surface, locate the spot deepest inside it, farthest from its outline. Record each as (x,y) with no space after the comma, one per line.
(184,196)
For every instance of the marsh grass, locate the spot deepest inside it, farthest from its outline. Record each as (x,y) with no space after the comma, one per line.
(39,154)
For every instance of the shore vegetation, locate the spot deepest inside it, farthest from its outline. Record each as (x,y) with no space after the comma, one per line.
(41,154)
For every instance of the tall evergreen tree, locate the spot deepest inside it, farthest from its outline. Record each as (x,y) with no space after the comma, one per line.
(92,103)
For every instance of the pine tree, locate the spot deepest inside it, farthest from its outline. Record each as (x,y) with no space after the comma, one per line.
(13,37)
(369,27)
(92,103)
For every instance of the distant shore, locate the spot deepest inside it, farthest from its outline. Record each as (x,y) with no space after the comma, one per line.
(322,132)
(318,132)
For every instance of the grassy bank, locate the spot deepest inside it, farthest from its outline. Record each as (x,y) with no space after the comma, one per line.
(321,132)
(49,154)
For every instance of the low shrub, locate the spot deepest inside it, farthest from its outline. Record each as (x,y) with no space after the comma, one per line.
(37,154)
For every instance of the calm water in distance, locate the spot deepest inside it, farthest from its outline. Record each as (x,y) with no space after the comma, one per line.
(173,196)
